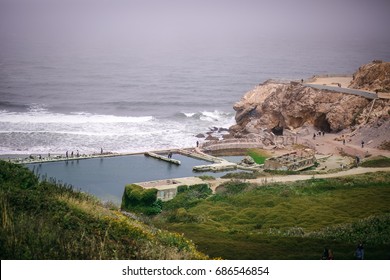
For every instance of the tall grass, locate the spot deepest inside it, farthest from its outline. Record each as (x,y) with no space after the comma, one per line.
(47,220)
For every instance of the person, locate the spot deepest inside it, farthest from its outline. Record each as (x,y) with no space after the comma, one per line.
(359,253)
(197,143)
(343,141)
(325,254)
(330,254)
(170,155)
(362,144)
(67,154)
(357,160)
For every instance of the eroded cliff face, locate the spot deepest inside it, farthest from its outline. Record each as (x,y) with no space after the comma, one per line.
(300,109)
(372,76)
(293,106)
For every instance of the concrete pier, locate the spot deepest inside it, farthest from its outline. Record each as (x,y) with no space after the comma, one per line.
(222,166)
(160,157)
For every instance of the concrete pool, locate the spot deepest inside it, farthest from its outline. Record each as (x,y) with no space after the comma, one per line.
(106,177)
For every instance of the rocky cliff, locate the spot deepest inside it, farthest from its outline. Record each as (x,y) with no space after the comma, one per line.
(293,106)
(374,76)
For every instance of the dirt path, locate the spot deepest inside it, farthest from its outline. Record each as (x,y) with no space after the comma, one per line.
(328,145)
(292,178)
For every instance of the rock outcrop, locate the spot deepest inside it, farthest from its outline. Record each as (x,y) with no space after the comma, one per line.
(293,106)
(374,76)
(275,108)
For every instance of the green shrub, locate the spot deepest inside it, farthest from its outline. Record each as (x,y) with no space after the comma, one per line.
(188,197)
(135,198)
(16,176)
(182,216)
(181,189)
(234,187)
(207,177)
(240,175)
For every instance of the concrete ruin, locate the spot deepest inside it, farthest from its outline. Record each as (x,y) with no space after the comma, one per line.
(294,161)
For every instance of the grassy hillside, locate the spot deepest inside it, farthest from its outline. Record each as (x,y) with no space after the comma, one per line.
(288,221)
(46,220)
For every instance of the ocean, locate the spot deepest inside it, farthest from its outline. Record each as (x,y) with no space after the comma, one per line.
(60,93)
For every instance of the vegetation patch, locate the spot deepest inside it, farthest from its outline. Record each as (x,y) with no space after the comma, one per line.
(46,220)
(258,155)
(240,175)
(188,196)
(207,177)
(282,172)
(140,200)
(380,161)
(291,221)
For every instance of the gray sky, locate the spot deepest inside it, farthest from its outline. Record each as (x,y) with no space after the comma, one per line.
(171,22)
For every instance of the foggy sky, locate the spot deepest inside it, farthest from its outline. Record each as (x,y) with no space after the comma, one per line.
(165,22)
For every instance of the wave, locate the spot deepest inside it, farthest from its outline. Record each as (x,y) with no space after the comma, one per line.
(206,115)
(40,115)
(41,131)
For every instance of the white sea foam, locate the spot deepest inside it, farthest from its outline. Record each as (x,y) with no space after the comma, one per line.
(40,131)
(43,116)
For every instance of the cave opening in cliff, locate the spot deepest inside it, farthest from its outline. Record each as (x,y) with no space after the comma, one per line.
(322,123)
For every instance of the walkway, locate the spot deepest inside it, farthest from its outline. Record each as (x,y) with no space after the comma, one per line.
(362,93)
(292,178)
